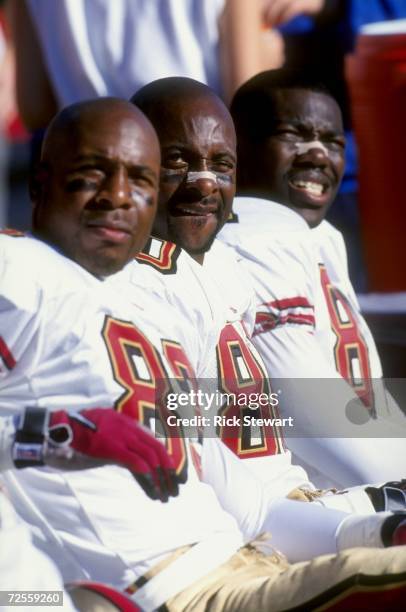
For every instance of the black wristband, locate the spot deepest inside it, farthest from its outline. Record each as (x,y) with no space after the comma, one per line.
(389,497)
(376,496)
(28,448)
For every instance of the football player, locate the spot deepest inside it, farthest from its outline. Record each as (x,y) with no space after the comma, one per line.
(73,341)
(309,328)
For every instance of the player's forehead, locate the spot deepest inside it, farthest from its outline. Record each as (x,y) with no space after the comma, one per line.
(308,109)
(199,123)
(124,141)
(112,135)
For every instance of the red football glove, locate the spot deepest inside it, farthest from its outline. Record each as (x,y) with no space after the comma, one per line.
(114,438)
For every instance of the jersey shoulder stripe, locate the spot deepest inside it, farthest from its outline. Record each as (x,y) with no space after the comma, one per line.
(161,255)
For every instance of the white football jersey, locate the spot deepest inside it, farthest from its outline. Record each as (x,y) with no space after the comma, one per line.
(295,336)
(68,341)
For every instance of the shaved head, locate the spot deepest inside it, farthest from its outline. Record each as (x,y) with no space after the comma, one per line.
(66,127)
(95,191)
(160,95)
(198,149)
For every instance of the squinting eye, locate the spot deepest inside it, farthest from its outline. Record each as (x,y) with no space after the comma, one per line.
(336,145)
(288,135)
(173,159)
(85,178)
(142,181)
(222,166)
(81,184)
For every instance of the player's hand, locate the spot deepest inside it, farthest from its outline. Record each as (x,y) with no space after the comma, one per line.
(390,496)
(102,436)
(278,12)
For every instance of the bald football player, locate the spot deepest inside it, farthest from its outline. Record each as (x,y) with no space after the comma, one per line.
(100,237)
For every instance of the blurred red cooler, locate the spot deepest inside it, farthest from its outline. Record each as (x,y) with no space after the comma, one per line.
(376,76)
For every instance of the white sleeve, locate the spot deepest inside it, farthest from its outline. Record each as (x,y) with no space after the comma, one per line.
(21,308)
(21,333)
(20,343)
(22,565)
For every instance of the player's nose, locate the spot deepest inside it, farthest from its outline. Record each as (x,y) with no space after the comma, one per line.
(204,181)
(115,191)
(313,152)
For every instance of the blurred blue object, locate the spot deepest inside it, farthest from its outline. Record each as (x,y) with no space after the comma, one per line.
(360,12)
(300,24)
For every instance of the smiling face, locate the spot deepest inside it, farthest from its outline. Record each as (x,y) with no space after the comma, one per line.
(97,192)
(301,161)
(198,170)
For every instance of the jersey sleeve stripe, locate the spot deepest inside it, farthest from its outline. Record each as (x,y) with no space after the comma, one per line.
(297,318)
(6,355)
